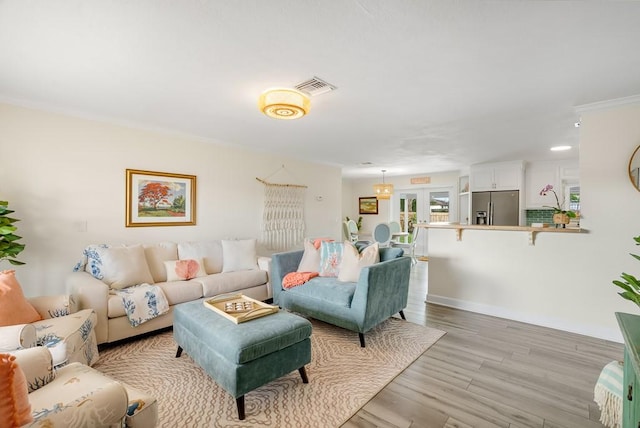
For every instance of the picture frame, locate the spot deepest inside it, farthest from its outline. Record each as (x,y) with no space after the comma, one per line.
(368,205)
(160,199)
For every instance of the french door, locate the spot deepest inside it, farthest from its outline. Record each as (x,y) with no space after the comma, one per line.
(423,205)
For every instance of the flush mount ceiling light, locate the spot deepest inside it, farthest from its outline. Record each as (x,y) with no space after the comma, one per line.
(283,103)
(560,148)
(383,190)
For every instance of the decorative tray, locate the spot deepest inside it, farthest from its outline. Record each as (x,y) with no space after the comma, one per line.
(238,307)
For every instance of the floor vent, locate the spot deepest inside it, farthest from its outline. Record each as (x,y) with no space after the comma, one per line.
(315,86)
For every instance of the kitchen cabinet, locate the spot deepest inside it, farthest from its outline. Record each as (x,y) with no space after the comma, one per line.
(537,177)
(630,327)
(497,176)
(539,174)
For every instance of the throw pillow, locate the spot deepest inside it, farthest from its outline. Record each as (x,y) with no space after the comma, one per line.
(15,409)
(239,255)
(310,261)
(14,307)
(353,262)
(181,270)
(330,258)
(209,251)
(122,267)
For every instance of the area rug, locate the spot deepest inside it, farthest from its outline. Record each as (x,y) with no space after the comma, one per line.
(342,378)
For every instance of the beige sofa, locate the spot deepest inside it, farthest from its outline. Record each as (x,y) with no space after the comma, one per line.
(228,266)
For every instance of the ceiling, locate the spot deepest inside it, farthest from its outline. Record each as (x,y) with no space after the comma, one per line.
(423,86)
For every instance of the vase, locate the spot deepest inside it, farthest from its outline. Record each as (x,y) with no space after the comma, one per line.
(561,219)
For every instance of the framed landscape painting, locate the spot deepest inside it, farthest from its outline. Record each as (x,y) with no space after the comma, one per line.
(368,205)
(160,199)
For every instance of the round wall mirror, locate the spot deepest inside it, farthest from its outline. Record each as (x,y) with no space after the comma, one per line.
(634,168)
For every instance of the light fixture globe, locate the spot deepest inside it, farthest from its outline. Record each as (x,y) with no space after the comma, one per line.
(283,103)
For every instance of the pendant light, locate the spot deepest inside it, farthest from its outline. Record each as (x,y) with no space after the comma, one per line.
(383,190)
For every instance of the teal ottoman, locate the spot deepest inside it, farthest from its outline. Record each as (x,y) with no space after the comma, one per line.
(242,357)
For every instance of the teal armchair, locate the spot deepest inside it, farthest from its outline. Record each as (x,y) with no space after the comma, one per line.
(381,291)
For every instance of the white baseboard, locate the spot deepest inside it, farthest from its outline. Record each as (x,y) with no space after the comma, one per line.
(500,312)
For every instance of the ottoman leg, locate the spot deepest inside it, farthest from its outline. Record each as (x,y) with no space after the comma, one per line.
(240,404)
(303,375)
(179,352)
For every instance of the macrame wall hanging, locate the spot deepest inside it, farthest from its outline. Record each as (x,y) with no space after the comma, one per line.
(283,216)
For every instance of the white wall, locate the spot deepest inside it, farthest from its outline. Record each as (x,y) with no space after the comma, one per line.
(565,280)
(58,172)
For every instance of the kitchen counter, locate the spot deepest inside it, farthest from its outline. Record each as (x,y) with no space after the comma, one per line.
(528,229)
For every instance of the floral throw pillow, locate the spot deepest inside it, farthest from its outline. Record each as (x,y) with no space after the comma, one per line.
(330,258)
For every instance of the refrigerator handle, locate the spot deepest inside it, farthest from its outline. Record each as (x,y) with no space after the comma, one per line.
(490,213)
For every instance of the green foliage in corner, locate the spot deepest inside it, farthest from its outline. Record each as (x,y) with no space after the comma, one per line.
(630,284)
(9,248)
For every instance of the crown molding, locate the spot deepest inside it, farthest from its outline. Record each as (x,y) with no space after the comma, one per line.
(607,104)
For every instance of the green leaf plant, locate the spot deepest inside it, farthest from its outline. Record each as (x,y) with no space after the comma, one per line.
(9,248)
(630,284)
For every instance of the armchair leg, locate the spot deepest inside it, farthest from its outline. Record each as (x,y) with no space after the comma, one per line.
(361,336)
(402,315)
(179,352)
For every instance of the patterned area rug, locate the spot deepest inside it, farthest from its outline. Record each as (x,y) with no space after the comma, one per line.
(342,378)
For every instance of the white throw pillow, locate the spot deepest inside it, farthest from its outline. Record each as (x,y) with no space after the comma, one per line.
(123,267)
(182,270)
(310,261)
(209,251)
(239,255)
(353,262)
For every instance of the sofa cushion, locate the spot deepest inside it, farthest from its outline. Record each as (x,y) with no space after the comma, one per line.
(353,261)
(390,253)
(181,291)
(238,255)
(14,307)
(210,253)
(156,255)
(326,289)
(181,270)
(213,285)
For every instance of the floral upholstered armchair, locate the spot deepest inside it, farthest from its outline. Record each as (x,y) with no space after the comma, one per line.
(72,396)
(50,321)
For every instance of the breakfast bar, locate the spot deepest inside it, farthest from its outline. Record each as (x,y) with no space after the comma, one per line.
(531,231)
(496,270)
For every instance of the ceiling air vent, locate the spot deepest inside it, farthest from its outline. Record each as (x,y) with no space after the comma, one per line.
(315,86)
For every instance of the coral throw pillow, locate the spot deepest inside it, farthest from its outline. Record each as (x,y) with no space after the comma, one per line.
(14,307)
(15,409)
(181,270)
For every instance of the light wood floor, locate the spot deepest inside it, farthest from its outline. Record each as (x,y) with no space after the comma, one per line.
(490,372)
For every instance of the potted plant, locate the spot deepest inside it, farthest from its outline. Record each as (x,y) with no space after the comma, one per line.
(560,215)
(630,284)
(9,248)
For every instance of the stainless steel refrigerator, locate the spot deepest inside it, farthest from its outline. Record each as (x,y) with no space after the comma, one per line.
(500,208)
